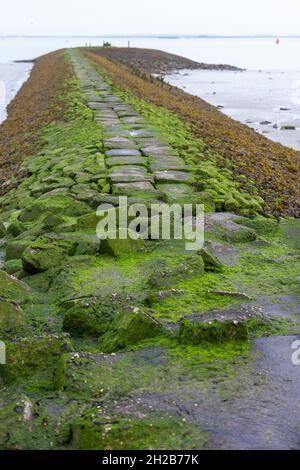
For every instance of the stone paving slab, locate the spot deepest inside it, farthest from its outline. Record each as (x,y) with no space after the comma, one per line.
(133,120)
(129,170)
(142,133)
(106,116)
(128,113)
(175,189)
(172,177)
(119,143)
(117,161)
(123,108)
(164,165)
(145,188)
(107,121)
(121,152)
(123,178)
(99,105)
(158,150)
(151,142)
(115,131)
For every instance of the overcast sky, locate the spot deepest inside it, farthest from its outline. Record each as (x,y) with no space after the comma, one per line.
(105,17)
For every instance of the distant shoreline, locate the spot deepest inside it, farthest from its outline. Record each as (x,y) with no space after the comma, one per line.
(24,61)
(151,36)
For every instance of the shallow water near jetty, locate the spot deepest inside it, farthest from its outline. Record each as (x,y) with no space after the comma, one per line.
(12,77)
(260,409)
(265,100)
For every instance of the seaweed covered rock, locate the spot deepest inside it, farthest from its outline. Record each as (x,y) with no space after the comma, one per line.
(115,246)
(13,289)
(11,317)
(261,225)
(13,266)
(211,332)
(46,252)
(219,326)
(171,271)
(15,228)
(90,316)
(22,424)
(93,431)
(16,248)
(211,262)
(226,226)
(2,230)
(31,355)
(129,328)
(57,204)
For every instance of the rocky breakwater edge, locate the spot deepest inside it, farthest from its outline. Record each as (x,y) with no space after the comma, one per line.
(108,340)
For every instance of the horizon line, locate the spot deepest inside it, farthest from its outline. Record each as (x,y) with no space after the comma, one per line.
(151,36)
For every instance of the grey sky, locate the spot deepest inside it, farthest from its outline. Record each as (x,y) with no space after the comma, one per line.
(104,17)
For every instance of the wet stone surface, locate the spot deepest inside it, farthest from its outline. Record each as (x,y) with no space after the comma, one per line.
(172,176)
(121,152)
(117,161)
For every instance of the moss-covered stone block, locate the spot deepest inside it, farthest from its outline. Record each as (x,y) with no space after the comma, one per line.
(232,232)
(51,220)
(261,225)
(16,228)
(2,230)
(16,248)
(93,431)
(88,375)
(129,328)
(211,262)
(194,332)
(57,204)
(115,246)
(13,289)
(30,355)
(88,222)
(90,316)
(171,271)
(13,266)
(47,252)
(87,244)
(231,205)
(11,317)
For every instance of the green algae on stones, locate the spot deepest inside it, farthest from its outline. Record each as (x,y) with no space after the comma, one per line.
(90,316)
(211,262)
(212,332)
(115,246)
(59,205)
(261,225)
(171,271)
(234,233)
(2,230)
(30,355)
(13,289)
(47,252)
(93,431)
(15,249)
(13,266)
(11,317)
(129,328)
